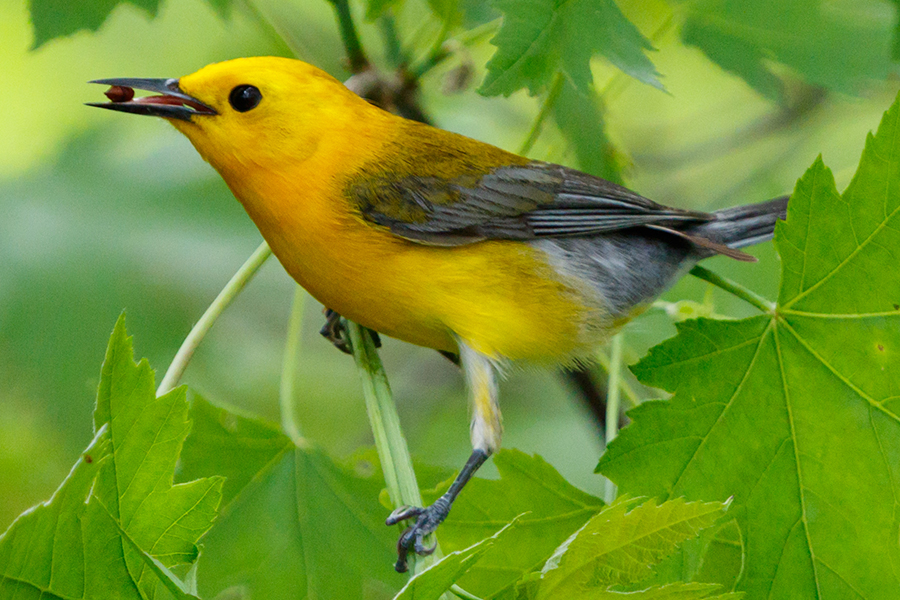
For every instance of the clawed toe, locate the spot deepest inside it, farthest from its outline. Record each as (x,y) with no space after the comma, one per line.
(403,513)
(422,549)
(335,331)
(412,539)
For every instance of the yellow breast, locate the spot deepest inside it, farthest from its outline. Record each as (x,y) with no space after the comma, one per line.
(500,296)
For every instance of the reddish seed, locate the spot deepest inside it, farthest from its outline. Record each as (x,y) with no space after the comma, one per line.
(117,93)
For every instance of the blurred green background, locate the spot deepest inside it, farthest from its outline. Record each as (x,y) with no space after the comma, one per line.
(100,213)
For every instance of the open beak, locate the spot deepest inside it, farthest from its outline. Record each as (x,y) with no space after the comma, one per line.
(172,104)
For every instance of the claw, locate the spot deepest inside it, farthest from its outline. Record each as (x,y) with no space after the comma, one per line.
(335,332)
(401,566)
(421,549)
(412,539)
(403,513)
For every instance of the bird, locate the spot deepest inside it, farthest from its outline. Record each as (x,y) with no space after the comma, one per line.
(434,238)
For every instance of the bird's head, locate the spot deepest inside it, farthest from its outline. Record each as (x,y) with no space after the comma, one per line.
(246,113)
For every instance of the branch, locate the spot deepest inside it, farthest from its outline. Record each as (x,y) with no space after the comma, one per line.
(287,391)
(355,54)
(734,288)
(535,131)
(199,331)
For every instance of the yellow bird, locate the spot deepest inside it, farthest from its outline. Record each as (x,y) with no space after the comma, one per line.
(431,237)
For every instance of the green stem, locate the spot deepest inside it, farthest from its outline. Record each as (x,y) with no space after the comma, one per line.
(734,288)
(465,38)
(628,395)
(399,476)
(394,52)
(355,54)
(479,33)
(534,133)
(432,60)
(199,331)
(287,391)
(436,54)
(461,593)
(613,404)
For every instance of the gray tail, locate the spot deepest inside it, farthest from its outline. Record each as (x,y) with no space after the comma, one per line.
(744,225)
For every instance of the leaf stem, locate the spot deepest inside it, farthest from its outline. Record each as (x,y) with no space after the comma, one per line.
(394,52)
(287,390)
(199,331)
(393,452)
(436,54)
(461,593)
(628,396)
(734,288)
(355,54)
(613,403)
(534,133)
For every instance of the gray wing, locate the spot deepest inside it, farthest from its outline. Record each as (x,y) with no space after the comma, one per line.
(520,202)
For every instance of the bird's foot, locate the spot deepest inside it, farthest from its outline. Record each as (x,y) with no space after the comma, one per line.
(412,539)
(335,331)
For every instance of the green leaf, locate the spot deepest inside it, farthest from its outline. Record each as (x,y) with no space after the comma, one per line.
(436,579)
(795,413)
(552,508)
(814,38)
(101,515)
(116,525)
(59,18)
(294,523)
(723,557)
(716,556)
(135,484)
(619,546)
(672,591)
(579,116)
(43,551)
(538,38)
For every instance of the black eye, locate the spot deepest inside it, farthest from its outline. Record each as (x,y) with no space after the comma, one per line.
(244,98)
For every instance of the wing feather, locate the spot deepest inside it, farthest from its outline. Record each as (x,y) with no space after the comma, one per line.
(519,202)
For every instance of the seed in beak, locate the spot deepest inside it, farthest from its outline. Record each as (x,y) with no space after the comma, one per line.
(118,93)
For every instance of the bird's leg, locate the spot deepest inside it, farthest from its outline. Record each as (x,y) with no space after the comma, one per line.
(486,431)
(335,332)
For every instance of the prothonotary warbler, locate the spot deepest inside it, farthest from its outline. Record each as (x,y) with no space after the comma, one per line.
(431,237)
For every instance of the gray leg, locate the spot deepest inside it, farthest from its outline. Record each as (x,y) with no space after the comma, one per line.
(486,431)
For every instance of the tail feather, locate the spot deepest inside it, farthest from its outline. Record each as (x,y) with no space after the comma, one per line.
(743,226)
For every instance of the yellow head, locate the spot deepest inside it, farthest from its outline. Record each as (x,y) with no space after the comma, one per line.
(251,113)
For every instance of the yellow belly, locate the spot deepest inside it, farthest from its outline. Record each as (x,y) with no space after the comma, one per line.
(501,297)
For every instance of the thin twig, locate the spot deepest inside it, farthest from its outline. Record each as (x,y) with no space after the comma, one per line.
(199,331)
(630,397)
(393,452)
(355,53)
(534,133)
(461,593)
(734,288)
(394,52)
(287,391)
(612,403)
(440,53)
